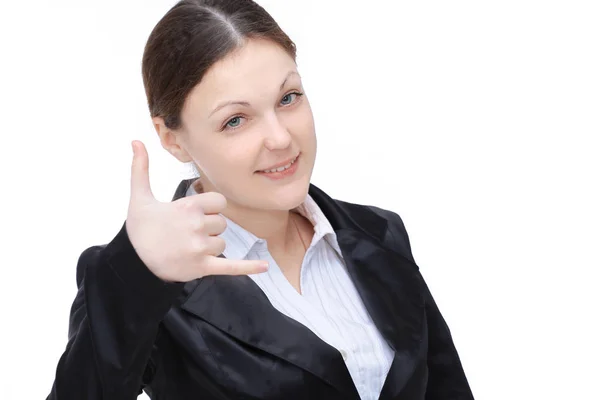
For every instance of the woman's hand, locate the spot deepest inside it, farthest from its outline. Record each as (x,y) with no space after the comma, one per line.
(178,240)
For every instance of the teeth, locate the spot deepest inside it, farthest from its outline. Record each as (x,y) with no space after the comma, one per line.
(280,168)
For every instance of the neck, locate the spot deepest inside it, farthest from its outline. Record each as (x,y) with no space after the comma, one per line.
(276,227)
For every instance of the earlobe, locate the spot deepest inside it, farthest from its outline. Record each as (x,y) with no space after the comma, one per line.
(180,154)
(170,140)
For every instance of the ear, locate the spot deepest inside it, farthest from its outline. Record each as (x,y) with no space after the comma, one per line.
(171,141)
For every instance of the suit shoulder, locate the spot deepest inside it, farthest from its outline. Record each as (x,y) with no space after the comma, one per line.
(395,237)
(393,219)
(389,215)
(397,233)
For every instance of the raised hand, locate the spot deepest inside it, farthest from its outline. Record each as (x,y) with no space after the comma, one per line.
(178,240)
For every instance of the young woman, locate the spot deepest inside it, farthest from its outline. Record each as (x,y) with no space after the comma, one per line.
(252,283)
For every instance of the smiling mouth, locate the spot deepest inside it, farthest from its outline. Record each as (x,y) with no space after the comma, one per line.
(280,169)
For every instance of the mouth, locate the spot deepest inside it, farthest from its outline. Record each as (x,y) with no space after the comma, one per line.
(280,167)
(282,170)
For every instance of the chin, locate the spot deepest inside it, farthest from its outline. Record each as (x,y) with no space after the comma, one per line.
(285,197)
(288,198)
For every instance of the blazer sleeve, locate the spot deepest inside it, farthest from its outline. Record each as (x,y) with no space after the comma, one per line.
(447,379)
(113,324)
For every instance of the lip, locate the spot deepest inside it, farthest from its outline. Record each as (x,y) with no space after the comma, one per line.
(282,176)
(281,164)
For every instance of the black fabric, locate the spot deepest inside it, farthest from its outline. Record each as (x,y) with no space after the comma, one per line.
(220,338)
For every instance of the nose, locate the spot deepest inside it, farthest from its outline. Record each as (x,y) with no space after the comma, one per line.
(277,135)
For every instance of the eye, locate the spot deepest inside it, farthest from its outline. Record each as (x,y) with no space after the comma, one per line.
(290,98)
(233,122)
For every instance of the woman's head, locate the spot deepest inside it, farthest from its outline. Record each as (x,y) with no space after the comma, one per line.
(224,93)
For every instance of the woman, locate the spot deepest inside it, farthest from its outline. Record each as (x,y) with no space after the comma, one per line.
(252,283)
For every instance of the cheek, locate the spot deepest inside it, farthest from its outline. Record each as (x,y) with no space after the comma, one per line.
(227,161)
(231,172)
(301,123)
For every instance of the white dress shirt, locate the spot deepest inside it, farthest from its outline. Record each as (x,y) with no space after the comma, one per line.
(329,304)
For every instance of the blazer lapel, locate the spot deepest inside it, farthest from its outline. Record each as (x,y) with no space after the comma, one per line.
(391,295)
(387,282)
(258,324)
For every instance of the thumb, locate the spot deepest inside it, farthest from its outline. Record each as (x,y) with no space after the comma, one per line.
(140,179)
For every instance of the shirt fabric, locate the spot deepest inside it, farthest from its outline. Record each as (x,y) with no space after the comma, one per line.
(329,305)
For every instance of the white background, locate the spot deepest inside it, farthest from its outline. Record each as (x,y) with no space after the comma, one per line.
(478,122)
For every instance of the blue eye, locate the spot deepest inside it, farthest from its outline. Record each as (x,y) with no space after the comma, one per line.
(290,98)
(287,99)
(234,122)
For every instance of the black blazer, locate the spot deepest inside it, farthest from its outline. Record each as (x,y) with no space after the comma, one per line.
(219,337)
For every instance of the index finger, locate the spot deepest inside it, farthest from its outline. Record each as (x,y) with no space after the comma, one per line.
(226,266)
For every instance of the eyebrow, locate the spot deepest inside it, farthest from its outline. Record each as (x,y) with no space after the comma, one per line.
(245,103)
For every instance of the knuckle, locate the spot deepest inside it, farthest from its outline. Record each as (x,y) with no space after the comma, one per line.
(222,223)
(228,269)
(231,269)
(219,246)
(198,245)
(184,205)
(199,225)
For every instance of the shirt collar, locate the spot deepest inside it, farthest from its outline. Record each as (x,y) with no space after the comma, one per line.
(240,241)
(323,229)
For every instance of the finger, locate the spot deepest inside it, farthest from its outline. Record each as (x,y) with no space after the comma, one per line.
(214,245)
(225,266)
(214,224)
(140,180)
(206,203)
(210,202)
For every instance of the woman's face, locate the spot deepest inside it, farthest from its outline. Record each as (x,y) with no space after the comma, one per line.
(248,114)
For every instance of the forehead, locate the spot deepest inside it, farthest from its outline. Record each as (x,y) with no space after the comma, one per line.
(256,69)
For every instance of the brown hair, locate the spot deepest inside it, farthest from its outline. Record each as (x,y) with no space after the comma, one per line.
(189,39)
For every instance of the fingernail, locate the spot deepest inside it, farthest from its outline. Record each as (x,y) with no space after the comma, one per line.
(264,266)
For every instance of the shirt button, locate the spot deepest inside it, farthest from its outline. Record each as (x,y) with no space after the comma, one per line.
(344,354)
